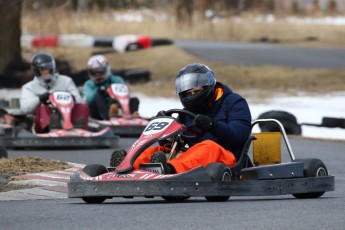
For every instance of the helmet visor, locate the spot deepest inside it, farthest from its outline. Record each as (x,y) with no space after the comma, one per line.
(97,72)
(192,80)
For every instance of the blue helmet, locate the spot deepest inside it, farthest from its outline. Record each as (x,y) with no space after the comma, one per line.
(42,60)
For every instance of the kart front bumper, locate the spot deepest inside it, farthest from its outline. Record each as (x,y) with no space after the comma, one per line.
(77,188)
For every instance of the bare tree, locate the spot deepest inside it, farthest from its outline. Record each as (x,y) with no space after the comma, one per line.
(184,12)
(10,30)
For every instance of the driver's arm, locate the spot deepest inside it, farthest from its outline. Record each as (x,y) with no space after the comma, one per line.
(90,91)
(29,100)
(236,130)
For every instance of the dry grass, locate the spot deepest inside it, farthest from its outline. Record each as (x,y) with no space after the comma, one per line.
(237,29)
(164,62)
(10,167)
(22,165)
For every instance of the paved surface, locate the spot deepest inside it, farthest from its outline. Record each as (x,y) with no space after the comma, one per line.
(265,54)
(50,185)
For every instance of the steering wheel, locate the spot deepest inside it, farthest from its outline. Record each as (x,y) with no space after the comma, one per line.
(195,133)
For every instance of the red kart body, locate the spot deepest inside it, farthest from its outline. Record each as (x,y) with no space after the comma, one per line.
(67,136)
(303,178)
(124,124)
(157,129)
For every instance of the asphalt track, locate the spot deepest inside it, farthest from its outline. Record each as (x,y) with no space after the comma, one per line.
(266,54)
(280,212)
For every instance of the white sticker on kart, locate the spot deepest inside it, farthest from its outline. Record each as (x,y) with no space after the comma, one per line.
(157,125)
(119,89)
(63,97)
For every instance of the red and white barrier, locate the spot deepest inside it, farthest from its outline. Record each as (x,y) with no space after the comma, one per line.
(120,43)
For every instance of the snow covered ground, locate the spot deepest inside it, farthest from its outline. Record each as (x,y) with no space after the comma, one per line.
(307,109)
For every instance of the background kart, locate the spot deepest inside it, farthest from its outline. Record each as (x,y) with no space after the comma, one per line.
(124,124)
(262,174)
(64,134)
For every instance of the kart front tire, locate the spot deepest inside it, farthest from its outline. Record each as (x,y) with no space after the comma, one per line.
(313,167)
(95,170)
(117,156)
(218,172)
(94,200)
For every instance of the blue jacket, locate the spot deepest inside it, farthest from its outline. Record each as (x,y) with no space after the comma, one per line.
(232,119)
(90,88)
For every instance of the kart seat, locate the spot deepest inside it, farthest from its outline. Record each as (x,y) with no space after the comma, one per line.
(243,160)
(267,148)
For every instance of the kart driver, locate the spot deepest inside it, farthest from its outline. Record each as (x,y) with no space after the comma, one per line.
(100,104)
(35,94)
(223,117)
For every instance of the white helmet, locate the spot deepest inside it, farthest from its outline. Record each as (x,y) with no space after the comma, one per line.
(98,68)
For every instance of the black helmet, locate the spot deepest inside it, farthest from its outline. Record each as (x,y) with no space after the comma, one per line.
(43,60)
(191,76)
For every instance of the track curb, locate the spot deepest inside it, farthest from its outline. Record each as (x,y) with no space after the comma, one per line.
(50,185)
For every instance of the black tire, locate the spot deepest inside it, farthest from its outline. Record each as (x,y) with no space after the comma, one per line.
(278,114)
(161,42)
(331,122)
(135,76)
(3,152)
(288,121)
(218,172)
(117,156)
(175,198)
(313,167)
(95,170)
(94,200)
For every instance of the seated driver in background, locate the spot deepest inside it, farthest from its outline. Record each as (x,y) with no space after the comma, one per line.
(101,106)
(35,94)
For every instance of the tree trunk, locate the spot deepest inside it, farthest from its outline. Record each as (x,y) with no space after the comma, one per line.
(10,31)
(184,12)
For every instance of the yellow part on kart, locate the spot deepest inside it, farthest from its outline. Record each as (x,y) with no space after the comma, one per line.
(267,148)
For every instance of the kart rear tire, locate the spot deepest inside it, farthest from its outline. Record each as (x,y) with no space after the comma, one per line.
(175,198)
(218,172)
(313,167)
(288,121)
(3,152)
(94,200)
(95,170)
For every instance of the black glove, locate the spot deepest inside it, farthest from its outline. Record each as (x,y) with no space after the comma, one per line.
(102,91)
(161,113)
(44,98)
(203,122)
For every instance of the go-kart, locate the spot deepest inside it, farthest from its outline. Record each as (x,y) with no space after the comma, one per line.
(263,174)
(64,134)
(124,123)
